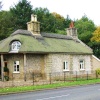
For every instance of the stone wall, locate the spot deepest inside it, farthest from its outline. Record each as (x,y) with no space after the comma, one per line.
(10,58)
(96,62)
(35,65)
(44,64)
(55,62)
(87,60)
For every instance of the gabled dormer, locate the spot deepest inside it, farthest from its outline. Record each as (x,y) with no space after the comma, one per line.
(15,46)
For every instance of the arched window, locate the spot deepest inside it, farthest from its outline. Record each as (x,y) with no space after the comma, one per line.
(15,46)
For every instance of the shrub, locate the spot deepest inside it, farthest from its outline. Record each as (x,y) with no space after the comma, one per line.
(6,69)
(37,75)
(97,72)
(6,73)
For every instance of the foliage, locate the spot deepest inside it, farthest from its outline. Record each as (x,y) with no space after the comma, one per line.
(6,69)
(61,32)
(36,75)
(85,28)
(59,21)
(95,42)
(6,26)
(50,22)
(6,78)
(21,14)
(98,72)
(96,35)
(46,19)
(67,21)
(88,33)
(96,48)
(6,73)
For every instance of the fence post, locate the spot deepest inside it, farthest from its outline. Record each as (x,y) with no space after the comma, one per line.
(96,75)
(76,75)
(33,78)
(50,77)
(87,75)
(12,80)
(64,77)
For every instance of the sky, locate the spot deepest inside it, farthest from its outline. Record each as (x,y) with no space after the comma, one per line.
(74,8)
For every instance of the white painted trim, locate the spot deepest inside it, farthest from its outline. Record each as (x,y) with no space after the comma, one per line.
(95,57)
(66,66)
(66,70)
(14,51)
(82,69)
(16,72)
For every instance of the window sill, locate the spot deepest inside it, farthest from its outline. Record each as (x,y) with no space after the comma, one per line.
(13,51)
(65,70)
(16,72)
(82,69)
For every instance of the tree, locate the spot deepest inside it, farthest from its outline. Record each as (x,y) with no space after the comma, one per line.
(95,42)
(46,19)
(21,13)
(67,21)
(59,21)
(96,35)
(50,22)
(85,28)
(6,27)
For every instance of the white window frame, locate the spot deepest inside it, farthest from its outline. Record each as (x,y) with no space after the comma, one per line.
(65,67)
(15,46)
(16,67)
(82,65)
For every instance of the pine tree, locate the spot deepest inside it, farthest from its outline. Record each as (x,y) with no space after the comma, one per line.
(21,13)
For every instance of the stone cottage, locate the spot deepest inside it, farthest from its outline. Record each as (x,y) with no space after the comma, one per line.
(26,51)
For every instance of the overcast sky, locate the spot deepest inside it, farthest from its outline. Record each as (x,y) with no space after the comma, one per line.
(74,8)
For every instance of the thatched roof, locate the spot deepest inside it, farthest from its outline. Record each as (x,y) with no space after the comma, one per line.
(44,43)
(23,32)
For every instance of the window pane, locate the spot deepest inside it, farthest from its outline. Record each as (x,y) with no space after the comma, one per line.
(81,64)
(15,45)
(17,67)
(65,65)
(18,46)
(14,67)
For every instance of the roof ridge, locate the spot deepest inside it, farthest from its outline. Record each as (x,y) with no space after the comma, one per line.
(59,36)
(21,31)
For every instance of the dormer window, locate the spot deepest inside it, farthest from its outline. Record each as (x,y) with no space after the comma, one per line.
(15,46)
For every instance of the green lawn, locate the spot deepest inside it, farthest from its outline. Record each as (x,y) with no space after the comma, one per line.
(49,86)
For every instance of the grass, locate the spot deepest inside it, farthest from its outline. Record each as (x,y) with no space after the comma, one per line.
(49,86)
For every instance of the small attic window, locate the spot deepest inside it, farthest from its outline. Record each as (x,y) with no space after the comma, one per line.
(15,45)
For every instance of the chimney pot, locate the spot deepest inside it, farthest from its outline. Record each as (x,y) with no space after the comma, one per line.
(34,18)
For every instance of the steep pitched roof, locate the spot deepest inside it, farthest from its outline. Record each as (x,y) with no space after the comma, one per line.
(44,43)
